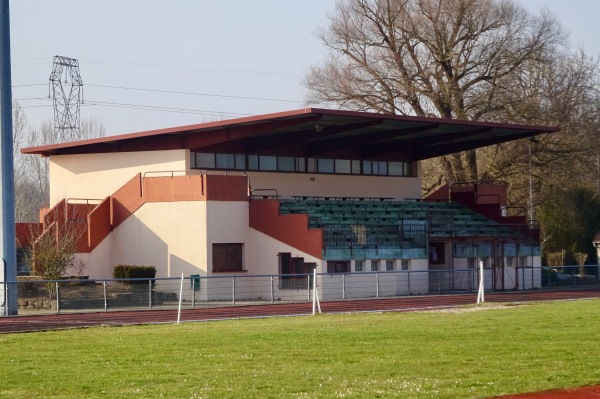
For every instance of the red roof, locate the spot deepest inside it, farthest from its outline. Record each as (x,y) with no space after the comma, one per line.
(313,132)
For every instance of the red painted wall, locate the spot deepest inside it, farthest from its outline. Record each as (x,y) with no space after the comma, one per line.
(289,229)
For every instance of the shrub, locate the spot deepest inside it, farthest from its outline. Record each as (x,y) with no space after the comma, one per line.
(131,272)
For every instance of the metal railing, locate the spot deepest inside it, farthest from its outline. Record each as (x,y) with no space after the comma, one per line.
(86,295)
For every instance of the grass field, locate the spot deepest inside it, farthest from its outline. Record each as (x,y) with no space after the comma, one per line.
(471,354)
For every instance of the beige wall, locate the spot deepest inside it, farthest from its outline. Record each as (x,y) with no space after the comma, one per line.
(96,176)
(322,185)
(168,235)
(226,222)
(263,256)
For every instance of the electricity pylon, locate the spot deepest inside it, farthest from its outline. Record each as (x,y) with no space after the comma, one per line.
(66,99)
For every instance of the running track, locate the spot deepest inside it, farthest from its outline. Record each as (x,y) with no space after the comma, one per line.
(46,322)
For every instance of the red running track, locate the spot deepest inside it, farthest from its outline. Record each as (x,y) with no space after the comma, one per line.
(46,322)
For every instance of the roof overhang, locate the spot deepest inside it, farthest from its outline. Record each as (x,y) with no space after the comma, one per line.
(313,132)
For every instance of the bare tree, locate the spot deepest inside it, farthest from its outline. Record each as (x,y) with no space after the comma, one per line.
(444,58)
(31,172)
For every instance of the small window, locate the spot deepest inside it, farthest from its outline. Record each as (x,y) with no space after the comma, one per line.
(240,161)
(389,265)
(404,264)
(522,260)
(358,266)
(342,166)
(228,257)
(381,168)
(338,266)
(225,161)
(286,164)
(268,162)
(396,168)
(374,265)
(367,167)
(205,160)
(325,165)
(509,261)
(253,162)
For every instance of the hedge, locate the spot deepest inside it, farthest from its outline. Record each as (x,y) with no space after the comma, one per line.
(131,271)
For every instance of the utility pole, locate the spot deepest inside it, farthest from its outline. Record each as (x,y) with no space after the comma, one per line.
(8,245)
(66,99)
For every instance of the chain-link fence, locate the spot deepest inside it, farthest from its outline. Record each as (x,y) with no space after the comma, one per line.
(87,295)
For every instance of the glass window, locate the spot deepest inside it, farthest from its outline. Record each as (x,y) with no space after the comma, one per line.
(389,265)
(225,161)
(240,161)
(358,266)
(342,166)
(300,164)
(396,168)
(312,164)
(338,266)
(374,265)
(367,167)
(268,162)
(205,160)
(382,168)
(325,165)
(252,162)
(286,164)
(408,168)
(356,167)
(404,263)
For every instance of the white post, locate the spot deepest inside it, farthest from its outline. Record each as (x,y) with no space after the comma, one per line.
(180,300)
(316,302)
(480,298)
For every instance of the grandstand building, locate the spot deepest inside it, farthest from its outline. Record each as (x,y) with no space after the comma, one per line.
(282,194)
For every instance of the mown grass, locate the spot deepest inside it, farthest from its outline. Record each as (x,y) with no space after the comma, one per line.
(389,355)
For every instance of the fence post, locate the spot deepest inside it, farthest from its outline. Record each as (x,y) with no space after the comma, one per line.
(5,297)
(377,285)
(309,287)
(149,294)
(272,289)
(105,296)
(408,278)
(344,286)
(233,292)
(57,299)
(194,290)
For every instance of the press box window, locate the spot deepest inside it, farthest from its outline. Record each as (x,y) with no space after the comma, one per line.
(204,160)
(228,257)
(374,265)
(389,265)
(358,266)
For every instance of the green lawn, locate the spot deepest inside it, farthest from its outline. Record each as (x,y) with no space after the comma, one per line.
(474,354)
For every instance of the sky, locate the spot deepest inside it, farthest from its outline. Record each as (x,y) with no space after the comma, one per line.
(151,64)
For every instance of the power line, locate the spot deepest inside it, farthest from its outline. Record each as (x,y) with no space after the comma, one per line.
(196,94)
(161,108)
(190,68)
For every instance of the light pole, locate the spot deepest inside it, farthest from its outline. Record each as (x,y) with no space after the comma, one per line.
(531,212)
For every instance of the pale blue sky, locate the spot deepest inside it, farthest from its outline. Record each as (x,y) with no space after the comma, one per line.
(217,49)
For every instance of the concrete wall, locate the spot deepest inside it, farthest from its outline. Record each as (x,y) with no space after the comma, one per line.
(96,176)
